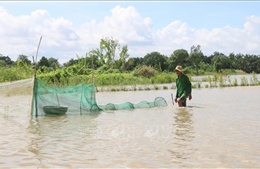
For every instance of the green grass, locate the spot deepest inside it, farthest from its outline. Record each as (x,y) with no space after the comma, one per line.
(15,73)
(117,81)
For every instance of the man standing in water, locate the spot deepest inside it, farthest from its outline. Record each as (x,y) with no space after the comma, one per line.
(183,85)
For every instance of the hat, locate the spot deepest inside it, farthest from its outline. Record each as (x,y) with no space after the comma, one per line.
(179,68)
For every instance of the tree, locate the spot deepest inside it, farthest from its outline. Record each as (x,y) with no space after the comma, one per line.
(207,59)
(256,63)
(196,56)
(123,56)
(252,63)
(232,58)
(94,56)
(132,63)
(108,47)
(2,63)
(178,57)
(156,60)
(70,62)
(109,50)
(247,63)
(43,62)
(54,63)
(220,61)
(239,61)
(7,60)
(24,59)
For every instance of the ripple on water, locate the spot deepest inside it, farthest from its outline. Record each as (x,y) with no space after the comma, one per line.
(218,129)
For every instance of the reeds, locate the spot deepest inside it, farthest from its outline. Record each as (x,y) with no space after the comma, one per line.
(22,71)
(127,81)
(220,80)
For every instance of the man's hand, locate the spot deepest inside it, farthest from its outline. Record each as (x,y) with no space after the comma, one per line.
(190,97)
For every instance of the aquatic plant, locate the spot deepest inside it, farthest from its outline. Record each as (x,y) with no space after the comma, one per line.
(253,80)
(244,81)
(235,82)
(165,87)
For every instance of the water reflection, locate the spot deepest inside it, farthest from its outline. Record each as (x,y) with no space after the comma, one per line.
(53,134)
(183,135)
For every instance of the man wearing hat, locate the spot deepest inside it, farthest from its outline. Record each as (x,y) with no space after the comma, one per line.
(183,85)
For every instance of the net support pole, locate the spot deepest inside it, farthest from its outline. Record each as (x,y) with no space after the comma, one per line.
(34,99)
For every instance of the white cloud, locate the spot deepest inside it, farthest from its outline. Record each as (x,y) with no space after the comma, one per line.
(177,35)
(20,34)
(62,40)
(124,24)
(252,33)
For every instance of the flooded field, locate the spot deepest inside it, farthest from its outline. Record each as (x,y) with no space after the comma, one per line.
(219,129)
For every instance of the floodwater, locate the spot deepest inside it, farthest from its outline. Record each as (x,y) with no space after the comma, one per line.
(220,128)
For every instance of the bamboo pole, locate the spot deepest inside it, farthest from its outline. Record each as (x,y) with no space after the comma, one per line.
(34,98)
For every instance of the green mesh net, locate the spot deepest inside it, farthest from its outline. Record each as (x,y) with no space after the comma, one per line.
(79,99)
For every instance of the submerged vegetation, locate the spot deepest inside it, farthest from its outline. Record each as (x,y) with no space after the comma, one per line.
(110,65)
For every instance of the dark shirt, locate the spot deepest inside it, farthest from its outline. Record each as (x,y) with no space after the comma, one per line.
(183,85)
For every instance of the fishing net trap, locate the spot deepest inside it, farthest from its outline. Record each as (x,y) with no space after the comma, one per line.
(78,99)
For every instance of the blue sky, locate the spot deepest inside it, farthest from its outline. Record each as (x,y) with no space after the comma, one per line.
(73,28)
(197,14)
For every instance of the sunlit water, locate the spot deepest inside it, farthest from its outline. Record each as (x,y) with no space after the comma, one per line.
(220,128)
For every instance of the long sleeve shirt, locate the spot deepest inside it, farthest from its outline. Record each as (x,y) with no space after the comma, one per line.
(183,85)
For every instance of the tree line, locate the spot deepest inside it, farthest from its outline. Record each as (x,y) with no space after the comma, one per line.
(111,56)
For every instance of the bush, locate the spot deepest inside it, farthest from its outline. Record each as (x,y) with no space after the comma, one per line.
(160,78)
(145,71)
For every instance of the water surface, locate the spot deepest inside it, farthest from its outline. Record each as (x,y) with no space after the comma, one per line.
(218,129)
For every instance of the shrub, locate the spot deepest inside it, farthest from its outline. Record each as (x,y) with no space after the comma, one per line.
(244,81)
(145,71)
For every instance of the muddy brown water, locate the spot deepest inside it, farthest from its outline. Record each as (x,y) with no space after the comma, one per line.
(220,128)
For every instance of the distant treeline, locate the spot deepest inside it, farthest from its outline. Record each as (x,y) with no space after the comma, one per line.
(111,57)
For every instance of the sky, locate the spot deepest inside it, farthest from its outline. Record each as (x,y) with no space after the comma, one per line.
(70,29)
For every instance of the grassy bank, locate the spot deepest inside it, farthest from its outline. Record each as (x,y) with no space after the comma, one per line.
(116,81)
(108,79)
